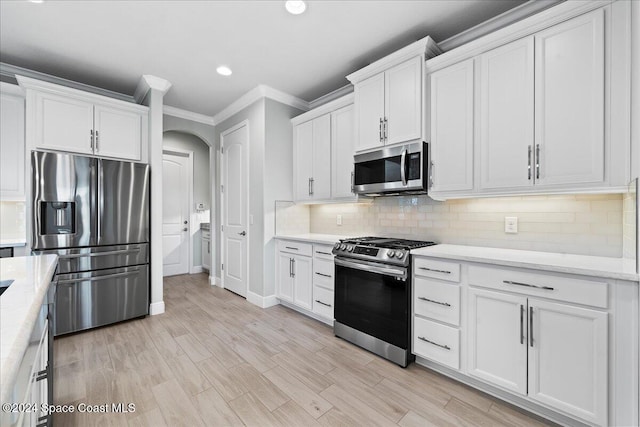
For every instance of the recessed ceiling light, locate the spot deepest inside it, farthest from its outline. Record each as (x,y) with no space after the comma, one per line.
(223,70)
(295,7)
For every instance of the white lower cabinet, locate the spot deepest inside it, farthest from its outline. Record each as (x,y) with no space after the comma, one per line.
(557,343)
(304,278)
(206,249)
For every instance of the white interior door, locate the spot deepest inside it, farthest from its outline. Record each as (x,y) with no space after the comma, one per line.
(235,144)
(175,214)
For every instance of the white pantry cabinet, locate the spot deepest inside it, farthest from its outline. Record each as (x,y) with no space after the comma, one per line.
(12,143)
(69,120)
(549,101)
(390,97)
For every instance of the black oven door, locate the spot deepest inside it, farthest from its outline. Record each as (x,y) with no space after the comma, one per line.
(373,298)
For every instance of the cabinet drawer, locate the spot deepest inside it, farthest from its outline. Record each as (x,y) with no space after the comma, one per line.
(437,300)
(580,291)
(322,251)
(323,302)
(443,270)
(298,248)
(437,342)
(323,273)
(206,234)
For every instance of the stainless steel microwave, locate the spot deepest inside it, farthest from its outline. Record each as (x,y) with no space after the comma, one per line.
(392,170)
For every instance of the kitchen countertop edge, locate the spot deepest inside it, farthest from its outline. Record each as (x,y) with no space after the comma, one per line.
(586,265)
(327,239)
(19,340)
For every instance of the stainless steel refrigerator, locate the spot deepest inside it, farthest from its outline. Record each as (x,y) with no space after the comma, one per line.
(94,214)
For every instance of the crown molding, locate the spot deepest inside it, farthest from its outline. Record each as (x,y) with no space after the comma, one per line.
(11,89)
(426,46)
(325,108)
(148,82)
(507,18)
(255,94)
(187,115)
(12,71)
(331,96)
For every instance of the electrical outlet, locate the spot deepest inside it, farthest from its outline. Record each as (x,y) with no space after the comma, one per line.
(339,219)
(511,224)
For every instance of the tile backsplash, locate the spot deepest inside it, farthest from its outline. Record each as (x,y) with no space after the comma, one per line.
(578,224)
(292,218)
(12,220)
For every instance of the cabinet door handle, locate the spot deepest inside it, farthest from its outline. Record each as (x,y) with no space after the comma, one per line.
(446,347)
(97,141)
(529,152)
(537,161)
(290,267)
(531,326)
(91,139)
(385,129)
(380,130)
(510,282)
(434,270)
(209,247)
(446,304)
(293,267)
(521,324)
(312,181)
(323,275)
(309,186)
(323,303)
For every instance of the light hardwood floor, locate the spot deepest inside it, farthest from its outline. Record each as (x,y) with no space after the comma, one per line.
(214,359)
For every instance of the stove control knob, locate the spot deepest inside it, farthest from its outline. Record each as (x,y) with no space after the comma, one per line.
(390,254)
(343,246)
(399,254)
(337,246)
(350,248)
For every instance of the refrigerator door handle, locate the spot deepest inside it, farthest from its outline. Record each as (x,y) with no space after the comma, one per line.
(100,198)
(94,254)
(96,278)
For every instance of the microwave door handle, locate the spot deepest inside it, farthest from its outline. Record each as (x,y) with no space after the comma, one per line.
(403,167)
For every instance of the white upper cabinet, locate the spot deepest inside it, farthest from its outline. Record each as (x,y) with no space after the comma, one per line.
(390,97)
(11,143)
(403,101)
(323,147)
(570,90)
(506,116)
(451,91)
(64,123)
(69,120)
(342,148)
(117,132)
(369,96)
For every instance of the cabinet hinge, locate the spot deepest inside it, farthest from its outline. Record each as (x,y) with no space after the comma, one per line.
(221,266)
(221,150)
(222,188)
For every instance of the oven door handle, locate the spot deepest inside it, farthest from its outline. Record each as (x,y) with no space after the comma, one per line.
(372,268)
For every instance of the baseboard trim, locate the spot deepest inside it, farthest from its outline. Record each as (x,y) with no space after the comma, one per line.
(260,301)
(215,281)
(197,269)
(156,308)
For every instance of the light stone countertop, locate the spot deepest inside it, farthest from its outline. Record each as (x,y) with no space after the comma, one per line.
(9,243)
(327,239)
(19,307)
(611,268)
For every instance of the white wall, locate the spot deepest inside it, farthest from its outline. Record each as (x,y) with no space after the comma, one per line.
(201,183)
(635,89)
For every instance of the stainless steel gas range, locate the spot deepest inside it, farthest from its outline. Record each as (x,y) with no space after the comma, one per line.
(373,294)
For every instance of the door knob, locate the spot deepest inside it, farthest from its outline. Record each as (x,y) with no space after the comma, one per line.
(185,222)
(244,233)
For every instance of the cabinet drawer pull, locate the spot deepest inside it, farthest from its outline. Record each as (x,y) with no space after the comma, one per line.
(446,347)
(41,375)
(323,253)
(510,282)
(293,249)
(446,304)
(434,270)
(323,275)
(323,303)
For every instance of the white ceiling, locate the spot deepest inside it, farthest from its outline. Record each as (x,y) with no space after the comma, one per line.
(111,44)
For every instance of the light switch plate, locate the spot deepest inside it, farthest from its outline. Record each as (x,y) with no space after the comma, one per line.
(511,224)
